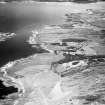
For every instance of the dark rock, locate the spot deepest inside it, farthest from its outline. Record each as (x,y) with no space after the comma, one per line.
(101,59)
(76,62)
(7,90)
(74,40)
(58,44)
(102,34)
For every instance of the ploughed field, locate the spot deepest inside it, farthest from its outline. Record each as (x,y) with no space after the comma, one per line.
(72,72)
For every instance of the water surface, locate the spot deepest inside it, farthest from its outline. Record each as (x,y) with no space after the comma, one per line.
(21,18)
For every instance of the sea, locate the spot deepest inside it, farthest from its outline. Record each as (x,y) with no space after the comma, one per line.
(21,18)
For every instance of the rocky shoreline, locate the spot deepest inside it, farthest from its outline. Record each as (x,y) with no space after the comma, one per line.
(71,72)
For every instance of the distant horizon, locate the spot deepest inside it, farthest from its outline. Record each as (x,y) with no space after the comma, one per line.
(75,1)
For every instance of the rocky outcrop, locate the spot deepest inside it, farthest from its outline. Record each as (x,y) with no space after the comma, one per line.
(77,41)
(5,36)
